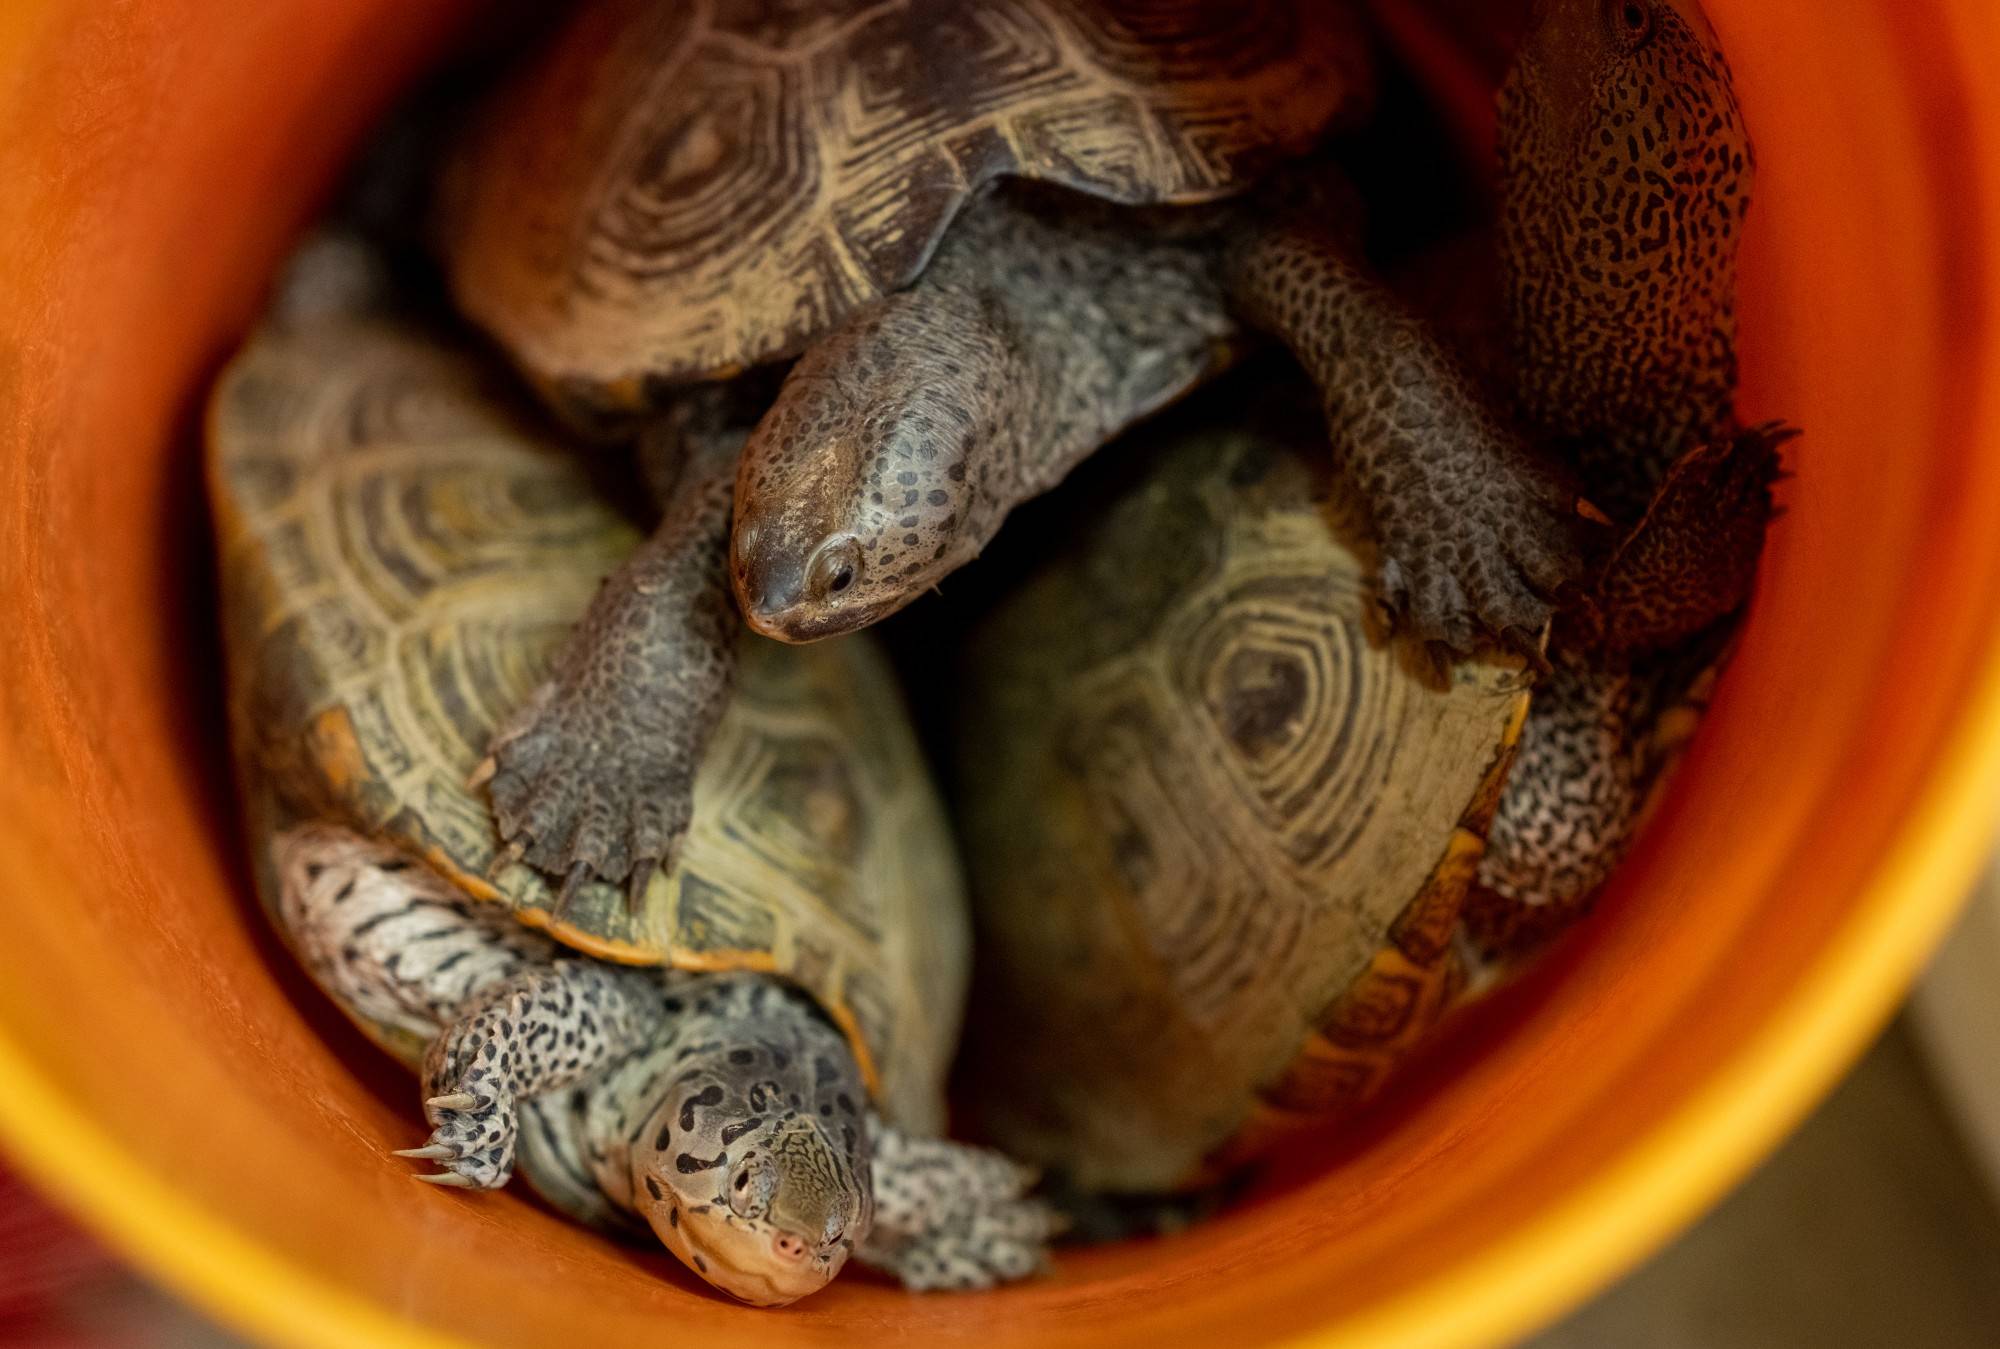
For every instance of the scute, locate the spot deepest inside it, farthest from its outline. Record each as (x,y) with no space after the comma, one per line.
(403,547)
(675,192)
(1219,831)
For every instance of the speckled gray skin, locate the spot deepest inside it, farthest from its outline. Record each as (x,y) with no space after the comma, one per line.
(721,1110)
(1039,331)
(1625,176)
(595,775)
(1477,534)
(901,440)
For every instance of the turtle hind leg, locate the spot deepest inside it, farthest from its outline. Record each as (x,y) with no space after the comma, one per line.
(595,775)
(1692,558)
(1478,533)
(951,1215)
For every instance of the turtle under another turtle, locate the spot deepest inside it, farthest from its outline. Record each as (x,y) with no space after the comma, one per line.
(401,550)
(1223,859)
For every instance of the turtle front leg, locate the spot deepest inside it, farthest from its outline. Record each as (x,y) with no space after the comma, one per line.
(1478,533)
(541,1031)
(1626,692)
(948,1215)
(595,776)
(1692,558)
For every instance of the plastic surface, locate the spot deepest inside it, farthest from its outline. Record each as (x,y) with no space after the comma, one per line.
(165,1073)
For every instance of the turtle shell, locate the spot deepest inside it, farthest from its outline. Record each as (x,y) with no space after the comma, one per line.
(402,549)
(1219,832)
(676,191)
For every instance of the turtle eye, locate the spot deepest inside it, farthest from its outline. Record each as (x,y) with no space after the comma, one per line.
(749,1191)
(1629,23)
(834,568)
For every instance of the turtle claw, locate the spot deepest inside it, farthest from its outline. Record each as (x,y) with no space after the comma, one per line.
(483,774)
(430,1152)
(578,877)
(564,802)
(457,1100)
(508,856)
(1530,647)
(638,882)
(450,1178)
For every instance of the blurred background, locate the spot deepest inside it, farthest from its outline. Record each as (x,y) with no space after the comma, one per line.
(1878,1223)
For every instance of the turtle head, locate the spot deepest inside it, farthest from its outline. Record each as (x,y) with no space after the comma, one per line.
(860,489)
(1625,176)
(764,1203)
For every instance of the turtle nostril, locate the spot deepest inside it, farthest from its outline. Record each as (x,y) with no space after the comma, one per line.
(789,1246)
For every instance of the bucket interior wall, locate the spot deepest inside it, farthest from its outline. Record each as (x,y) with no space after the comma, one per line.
(165,1072)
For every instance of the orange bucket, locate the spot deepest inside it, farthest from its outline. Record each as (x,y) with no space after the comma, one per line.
(164,1071)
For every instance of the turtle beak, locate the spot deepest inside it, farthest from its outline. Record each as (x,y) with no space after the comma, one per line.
(768,586)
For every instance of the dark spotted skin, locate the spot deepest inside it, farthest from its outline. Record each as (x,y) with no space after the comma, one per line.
(935,1226)
(1692,558)
(1625,179)
(1476,531)
(1041,329)
(901,440)
(542,1030)
(721,1110)
(1576,788)
(1625,176)
(595,775)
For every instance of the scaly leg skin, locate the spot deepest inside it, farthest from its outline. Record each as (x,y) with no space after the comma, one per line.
(1477,533)
(1692,558)
(1598,736)
(506,1015)
(948,1215)
(1566,817)
(595,776)
(540,1031)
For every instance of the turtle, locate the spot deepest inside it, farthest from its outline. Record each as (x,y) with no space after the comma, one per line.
(754,1068)
(1228,863)
(993,234)
(1608,330)
(1219,828)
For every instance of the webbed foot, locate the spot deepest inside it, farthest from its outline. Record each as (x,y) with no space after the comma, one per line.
(473,1126)
(1470,558)
(949,1215)
(578,795)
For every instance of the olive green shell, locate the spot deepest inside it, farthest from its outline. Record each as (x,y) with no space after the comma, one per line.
(402,548)
(1219,832)
(676,191)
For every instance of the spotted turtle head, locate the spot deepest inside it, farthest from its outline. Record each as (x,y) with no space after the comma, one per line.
(753,1194)
(1625,176)
(861,489)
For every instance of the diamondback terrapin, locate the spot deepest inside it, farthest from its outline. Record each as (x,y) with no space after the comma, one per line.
(676,192)
(1219,831)
(1625,178)
(401,550)
(1217,862)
